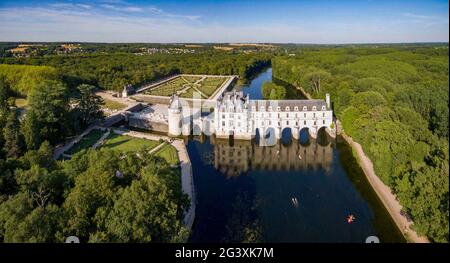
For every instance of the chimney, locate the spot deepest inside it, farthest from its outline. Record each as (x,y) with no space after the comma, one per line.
(327,100)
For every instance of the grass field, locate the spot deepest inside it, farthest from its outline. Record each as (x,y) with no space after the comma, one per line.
(169,153)
(127,143)
(86,142)
(130,144)
(113,105)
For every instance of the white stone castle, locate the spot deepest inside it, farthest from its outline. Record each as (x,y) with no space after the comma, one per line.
(237,116)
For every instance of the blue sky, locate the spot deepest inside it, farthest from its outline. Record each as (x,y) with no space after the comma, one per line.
(320,21)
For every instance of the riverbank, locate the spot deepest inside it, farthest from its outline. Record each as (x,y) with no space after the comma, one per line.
(384,193)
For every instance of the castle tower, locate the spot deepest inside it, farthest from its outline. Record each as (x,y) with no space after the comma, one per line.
(175,116)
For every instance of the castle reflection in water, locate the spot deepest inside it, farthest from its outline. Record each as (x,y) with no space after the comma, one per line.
(233,158)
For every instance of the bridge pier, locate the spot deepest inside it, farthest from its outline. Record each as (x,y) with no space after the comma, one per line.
(313,132)
(295,133)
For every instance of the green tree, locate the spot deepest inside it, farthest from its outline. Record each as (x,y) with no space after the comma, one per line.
(147,211)
(12,137)
(88,104)
(273,91)
(49,112)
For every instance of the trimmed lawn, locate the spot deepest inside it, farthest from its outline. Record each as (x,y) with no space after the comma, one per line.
(207,86)
(127,143)
(190,94)
(169,153)
(211,84)
(191,79)
(86,142)
(167,88)
(113,105)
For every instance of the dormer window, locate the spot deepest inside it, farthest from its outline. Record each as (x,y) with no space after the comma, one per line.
(278,108)
(314,108)
(261,108)
(253,108)
(296,108)
(323,107)
(305,108)
(287,108)
(270,108)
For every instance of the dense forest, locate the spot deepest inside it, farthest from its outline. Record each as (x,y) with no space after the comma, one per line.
(393,100)
(113,71)
(47,200)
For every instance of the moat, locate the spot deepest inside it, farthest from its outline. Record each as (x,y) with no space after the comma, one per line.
(296,191)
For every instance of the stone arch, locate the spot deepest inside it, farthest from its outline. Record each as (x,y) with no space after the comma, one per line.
(270,136)
(259,133)
(286,135)
(304,138)
(323,138)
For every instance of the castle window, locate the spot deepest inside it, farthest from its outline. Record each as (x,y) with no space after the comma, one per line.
(315,123)
(304,115)
(223,123)
(314,115)
(323,114)
(323,121)
(304,122)
(287,122)
(279,124)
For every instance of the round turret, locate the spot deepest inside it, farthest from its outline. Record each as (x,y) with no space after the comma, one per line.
(175,116)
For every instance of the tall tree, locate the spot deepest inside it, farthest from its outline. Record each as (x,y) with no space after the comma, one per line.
(88,104)
(12,137)
(49,105)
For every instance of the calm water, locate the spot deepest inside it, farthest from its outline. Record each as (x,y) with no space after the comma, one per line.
(296,191)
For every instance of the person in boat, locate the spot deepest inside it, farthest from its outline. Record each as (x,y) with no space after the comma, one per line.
(350,219)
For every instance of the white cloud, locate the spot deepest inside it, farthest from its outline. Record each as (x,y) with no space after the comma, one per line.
(78,23)
(122,8)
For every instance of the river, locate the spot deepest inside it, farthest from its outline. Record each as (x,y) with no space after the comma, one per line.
(296,191)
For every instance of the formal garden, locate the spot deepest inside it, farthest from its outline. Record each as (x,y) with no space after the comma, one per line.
(186,85)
